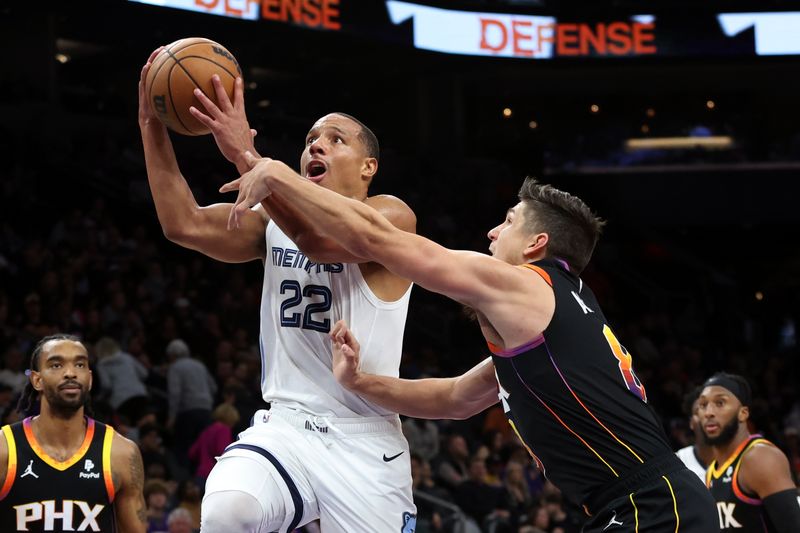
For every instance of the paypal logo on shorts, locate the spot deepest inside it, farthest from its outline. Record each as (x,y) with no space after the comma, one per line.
(409,523)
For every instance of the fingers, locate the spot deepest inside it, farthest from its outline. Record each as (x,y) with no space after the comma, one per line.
(210,107)
(350,339)
(232,185)
(223,101)
(202,117)
(154,53)
(337,329)
(250,159)
(238,93)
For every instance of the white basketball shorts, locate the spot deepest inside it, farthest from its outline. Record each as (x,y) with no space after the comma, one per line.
(353,474)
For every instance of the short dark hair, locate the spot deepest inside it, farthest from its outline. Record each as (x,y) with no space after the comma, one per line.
(689,398)
(367,138)
(29,395)
(572,227)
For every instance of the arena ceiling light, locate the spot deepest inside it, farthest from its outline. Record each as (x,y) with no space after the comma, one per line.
(721,142)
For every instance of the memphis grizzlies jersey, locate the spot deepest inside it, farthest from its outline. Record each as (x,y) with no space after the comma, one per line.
(42,494)
(572,394)
(737,510)
(300,302)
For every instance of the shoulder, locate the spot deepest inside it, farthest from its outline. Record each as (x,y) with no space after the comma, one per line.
(764,457)
(396,210)
(123,448)
(126,462)
(763,468)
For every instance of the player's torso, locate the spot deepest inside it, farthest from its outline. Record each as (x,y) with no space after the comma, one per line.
(737,510)
(301,300)
(42,494)
(573,396)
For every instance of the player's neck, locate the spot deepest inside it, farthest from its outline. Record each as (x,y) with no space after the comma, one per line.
(723,452)
(59,432)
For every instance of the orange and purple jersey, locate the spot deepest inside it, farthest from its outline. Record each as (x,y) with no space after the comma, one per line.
(40,493)
(572,395)
(738,511)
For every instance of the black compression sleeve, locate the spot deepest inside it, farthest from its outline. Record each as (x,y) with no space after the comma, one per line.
(783,511)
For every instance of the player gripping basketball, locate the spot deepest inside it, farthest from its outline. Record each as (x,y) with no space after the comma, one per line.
(321,451)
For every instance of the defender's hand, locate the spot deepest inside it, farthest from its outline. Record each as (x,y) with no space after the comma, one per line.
(345,349)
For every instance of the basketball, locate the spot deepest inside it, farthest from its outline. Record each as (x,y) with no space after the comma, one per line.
(177,70)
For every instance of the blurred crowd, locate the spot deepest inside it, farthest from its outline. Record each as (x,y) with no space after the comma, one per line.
(173,335)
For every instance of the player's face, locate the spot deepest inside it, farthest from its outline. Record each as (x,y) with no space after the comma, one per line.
(335,157)
(720,413)
(509,239)
(63,378)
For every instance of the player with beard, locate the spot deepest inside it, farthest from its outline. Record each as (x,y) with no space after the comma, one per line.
(61,470)
(750,477)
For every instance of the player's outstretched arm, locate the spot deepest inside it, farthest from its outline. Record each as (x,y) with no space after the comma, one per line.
(227,120)
(436,398)
(182,220)
(765,471)
(127,473)
(517,302)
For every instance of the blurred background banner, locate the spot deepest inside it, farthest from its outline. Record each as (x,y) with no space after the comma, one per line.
(699,32)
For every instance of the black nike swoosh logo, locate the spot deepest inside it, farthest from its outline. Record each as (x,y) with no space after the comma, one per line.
(392,458)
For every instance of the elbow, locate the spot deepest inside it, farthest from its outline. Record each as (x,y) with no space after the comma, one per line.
(179,234)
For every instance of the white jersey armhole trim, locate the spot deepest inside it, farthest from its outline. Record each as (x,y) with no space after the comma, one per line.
(374,300)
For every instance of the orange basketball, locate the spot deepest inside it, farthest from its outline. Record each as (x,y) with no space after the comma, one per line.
(177,70)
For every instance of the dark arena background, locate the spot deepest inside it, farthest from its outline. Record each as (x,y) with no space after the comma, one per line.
(677,121)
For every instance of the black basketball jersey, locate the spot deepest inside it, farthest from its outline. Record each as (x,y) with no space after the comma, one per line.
(572,395)
(737,511)
(42,494)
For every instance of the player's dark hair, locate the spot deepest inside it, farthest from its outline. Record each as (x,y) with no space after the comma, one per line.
(572,227)
(367,138)
(30,396)
(689,398)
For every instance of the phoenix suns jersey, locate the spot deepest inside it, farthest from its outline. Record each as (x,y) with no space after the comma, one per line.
(737,511)
(572,396)
(300,302)
(42,494)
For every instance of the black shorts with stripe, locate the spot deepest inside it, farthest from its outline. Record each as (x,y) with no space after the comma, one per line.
(675,502)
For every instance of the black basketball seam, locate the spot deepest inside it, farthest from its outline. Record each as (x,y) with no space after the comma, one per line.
(177,62)
(211,61)
(172,102)
(185,70)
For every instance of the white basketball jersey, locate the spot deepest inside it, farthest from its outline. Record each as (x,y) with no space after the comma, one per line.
(690,460)
(300,302)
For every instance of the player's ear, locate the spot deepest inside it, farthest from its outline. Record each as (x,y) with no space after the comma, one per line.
(369,168)
(536,246)
(36,380)
(744,413)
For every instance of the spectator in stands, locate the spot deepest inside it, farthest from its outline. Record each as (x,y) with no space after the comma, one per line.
(121,379)
(191,392)
(422,436)
(156,495)
(452,469)
(519,496)
(213,440)
(486,504)
(180,521)
(188,497)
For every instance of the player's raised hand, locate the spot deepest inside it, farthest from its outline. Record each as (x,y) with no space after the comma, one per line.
(227,121)
(253,185)
(345,350)
(146,115)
